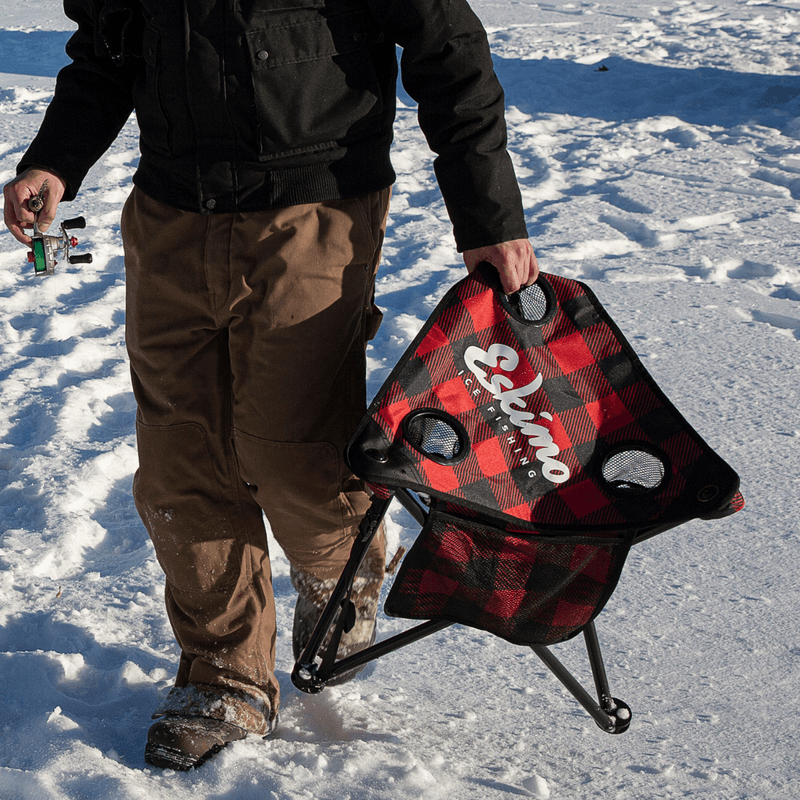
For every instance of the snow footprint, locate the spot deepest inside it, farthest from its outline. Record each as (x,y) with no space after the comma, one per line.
(780,321)
(640,232)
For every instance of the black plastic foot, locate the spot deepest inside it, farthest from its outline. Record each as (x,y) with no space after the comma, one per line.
(306,681)
(619,715)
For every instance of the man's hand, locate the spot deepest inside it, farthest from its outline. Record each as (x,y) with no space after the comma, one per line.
(18,215)
(514,261)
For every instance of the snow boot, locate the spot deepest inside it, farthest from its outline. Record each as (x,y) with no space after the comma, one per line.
(312,596)
(183,742)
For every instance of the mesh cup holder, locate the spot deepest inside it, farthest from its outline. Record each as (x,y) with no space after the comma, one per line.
(436,435)
(533,304)
(634,470)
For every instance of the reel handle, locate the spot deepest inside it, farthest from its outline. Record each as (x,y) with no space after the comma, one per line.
(75,222)
(83,258)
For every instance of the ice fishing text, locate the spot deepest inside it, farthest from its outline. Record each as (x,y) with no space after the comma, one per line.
(510,398)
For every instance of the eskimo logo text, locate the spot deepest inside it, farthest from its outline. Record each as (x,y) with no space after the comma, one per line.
(512,403)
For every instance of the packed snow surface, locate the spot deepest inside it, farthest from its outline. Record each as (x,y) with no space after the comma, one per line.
(658,151)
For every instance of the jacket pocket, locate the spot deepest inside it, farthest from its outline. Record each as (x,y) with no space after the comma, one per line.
(148,97)
(118,30)
(314,82)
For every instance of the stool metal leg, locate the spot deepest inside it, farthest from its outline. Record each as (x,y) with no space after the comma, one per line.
(610,713)
(308,674)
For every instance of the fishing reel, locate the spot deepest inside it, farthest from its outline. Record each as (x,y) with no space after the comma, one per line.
(47,246)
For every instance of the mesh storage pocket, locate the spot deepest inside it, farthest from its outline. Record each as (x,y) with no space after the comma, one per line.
(526,588)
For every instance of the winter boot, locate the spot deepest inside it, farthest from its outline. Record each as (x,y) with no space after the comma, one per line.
(312,596)
(183,743)
(195,722)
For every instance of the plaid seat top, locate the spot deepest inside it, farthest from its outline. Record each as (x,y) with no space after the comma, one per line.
(534,412)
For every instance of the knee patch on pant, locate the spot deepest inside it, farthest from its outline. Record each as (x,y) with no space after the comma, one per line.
(182,505)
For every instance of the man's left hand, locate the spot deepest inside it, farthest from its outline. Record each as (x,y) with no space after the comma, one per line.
(514,261)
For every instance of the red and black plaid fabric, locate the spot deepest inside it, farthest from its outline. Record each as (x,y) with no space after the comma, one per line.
(525,588)
(541,430)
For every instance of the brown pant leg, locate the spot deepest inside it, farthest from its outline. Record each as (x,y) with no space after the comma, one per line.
(206,528)
(299,326)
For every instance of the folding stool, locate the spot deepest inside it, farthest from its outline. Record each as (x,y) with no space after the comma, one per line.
(526,438)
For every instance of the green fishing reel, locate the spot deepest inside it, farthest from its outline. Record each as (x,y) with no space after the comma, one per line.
(47,246)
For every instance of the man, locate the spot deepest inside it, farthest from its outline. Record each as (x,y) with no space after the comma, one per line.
(252,238)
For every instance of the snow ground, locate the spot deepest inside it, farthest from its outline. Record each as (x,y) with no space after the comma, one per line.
(670,182)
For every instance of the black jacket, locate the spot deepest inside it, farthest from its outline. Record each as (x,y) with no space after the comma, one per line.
(251,104)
